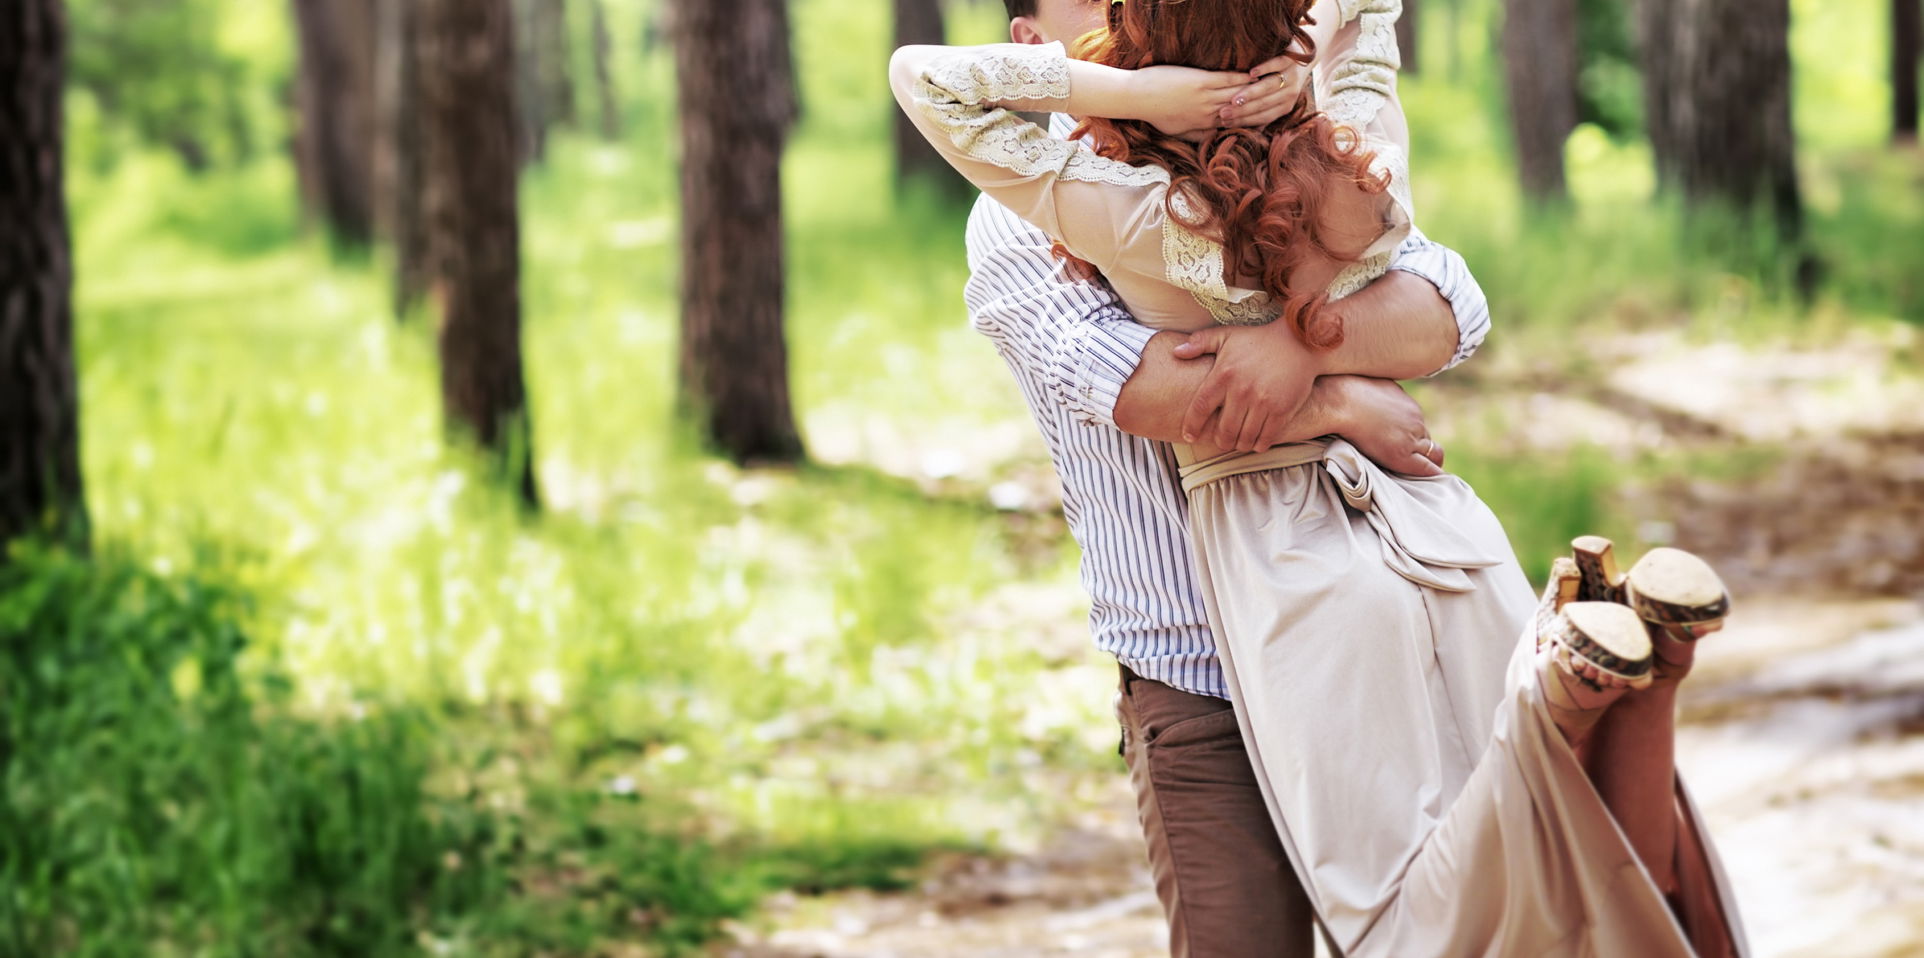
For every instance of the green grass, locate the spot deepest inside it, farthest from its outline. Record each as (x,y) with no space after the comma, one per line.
(322,692)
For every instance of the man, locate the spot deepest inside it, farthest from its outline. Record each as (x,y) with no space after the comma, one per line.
(1108,396)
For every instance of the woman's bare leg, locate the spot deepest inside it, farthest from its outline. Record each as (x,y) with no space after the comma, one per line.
(1631,758)
(1632,762)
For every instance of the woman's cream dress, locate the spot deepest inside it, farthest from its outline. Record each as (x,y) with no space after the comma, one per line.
(1368,623)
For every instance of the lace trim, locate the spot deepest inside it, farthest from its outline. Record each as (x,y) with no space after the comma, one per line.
(1358,275)
(1012,71)
(954,88)
(1088,166)
(1368,80)
(1194,262)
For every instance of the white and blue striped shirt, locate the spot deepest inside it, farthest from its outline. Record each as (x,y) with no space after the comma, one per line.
(1071,346)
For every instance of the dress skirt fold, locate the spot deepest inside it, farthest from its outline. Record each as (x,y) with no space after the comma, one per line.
(1375,633)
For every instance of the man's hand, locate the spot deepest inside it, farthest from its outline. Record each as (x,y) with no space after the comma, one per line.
(1260,379)
(1383,423)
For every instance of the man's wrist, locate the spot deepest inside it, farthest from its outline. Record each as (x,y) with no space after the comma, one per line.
(1321,362)
(1334,408)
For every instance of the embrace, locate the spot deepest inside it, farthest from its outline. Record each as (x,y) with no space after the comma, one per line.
(1342,706)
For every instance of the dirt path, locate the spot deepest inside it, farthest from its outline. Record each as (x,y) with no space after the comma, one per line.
(1803,735)
(1803,740)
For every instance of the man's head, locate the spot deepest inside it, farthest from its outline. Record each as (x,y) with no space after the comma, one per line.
(1046,21)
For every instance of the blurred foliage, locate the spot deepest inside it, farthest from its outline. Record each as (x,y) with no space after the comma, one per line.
(205,79)
(320,693)
(1609,88)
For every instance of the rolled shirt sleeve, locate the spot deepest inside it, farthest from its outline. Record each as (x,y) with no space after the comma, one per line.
(1071,336)
(1093,361)
(1451,276)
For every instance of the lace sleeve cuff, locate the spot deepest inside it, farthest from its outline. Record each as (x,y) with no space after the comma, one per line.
(1366,81)
(998,73)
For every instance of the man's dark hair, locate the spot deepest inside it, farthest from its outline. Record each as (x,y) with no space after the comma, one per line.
(1020,8)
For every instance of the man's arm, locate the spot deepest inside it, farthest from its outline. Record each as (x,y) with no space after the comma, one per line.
(1426,315)
(1106,369)
(1375,415)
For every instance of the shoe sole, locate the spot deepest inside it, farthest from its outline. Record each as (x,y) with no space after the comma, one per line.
(1673,587)
(1606,635)
(1666,587)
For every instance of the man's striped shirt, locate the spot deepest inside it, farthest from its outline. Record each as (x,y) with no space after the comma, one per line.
(1071,346)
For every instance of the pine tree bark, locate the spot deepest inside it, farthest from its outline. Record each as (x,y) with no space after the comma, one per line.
(398,198)
(920,22)
(1540,62)
(1406,35)
(1907,54)
(737,103)
(1717,101)
(465,54)
(40,480)
(334,95)
(608,106)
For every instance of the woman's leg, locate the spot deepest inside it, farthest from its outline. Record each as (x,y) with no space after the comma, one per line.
(1632,762)
(1580,693)
(1631,759)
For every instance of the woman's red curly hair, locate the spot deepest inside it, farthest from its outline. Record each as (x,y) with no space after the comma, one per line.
(1260,192)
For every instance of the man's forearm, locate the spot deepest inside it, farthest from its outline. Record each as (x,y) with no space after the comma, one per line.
(1154,399)
(1399,327)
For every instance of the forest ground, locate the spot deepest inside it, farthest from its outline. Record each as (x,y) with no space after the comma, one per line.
(1803,727)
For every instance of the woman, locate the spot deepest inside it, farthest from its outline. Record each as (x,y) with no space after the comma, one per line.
(1434,800)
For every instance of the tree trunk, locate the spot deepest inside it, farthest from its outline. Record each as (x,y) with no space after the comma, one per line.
(40,484)
(543,86)
(1540,60)
(920,21)
(1717,101)
(734,363)
(1907,52)
(1406,35)
(334,94)
(554,67)
(398,198)
(609,106)
(465,54)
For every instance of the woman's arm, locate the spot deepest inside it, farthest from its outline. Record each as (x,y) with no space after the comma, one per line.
(1355,82)
(1356,63)
(963,99)
(1176,100)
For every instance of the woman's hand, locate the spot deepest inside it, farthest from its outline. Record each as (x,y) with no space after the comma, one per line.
(1180,100)
(1385,424)
(1274,88)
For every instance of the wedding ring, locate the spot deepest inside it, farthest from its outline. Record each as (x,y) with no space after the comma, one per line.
(1428,445)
